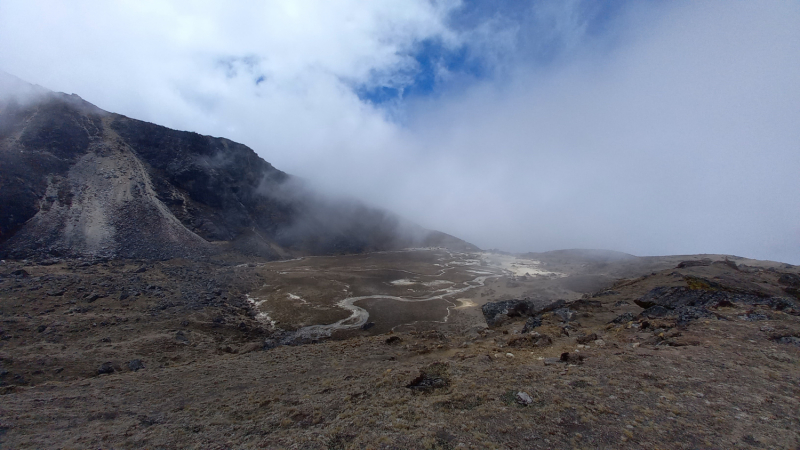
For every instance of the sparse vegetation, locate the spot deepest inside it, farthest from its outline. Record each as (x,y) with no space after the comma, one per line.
(720,381)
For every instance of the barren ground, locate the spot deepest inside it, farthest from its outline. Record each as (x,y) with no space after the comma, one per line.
(411,380)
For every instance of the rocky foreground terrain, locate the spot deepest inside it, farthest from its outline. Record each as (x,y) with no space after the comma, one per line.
(572,350)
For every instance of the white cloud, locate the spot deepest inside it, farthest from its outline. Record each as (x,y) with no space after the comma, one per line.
(679,136)
(163,62)
(681,140)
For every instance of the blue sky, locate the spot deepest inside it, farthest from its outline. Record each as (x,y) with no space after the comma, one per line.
(433,59)
(540,33)
(640,126)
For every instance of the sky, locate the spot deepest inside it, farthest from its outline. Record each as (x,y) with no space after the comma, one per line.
(645,127)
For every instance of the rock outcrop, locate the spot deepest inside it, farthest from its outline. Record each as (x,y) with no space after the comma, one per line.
(497,313)
(686,303)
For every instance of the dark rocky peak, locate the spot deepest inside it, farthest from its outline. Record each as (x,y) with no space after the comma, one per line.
(78,181)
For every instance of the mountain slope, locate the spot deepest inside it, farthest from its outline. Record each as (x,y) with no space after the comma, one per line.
(76,180)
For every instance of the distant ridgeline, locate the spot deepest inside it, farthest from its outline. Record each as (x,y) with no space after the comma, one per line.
(79,181)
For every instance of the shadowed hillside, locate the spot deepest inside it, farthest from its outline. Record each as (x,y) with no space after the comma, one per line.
(76,180)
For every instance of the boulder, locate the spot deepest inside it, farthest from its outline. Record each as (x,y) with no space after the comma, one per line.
(654,312)
(496,313)
(689,313)
(523,398)
(787,279)
(571,358)
(393,340)
(624,318)
(531,323)
(565,314)
(180,336)
(434,376)
(792,340)
(105,368)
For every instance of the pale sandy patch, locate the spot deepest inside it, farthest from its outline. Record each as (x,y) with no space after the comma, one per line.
(261,316)
(296,297)
(465,303)
(517,266)
(437,283)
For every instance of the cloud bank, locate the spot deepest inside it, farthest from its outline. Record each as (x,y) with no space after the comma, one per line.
(646,128)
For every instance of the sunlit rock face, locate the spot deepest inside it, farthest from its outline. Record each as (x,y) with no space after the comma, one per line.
(79,181)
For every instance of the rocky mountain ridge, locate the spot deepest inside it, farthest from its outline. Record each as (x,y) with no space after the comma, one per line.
(76,180)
